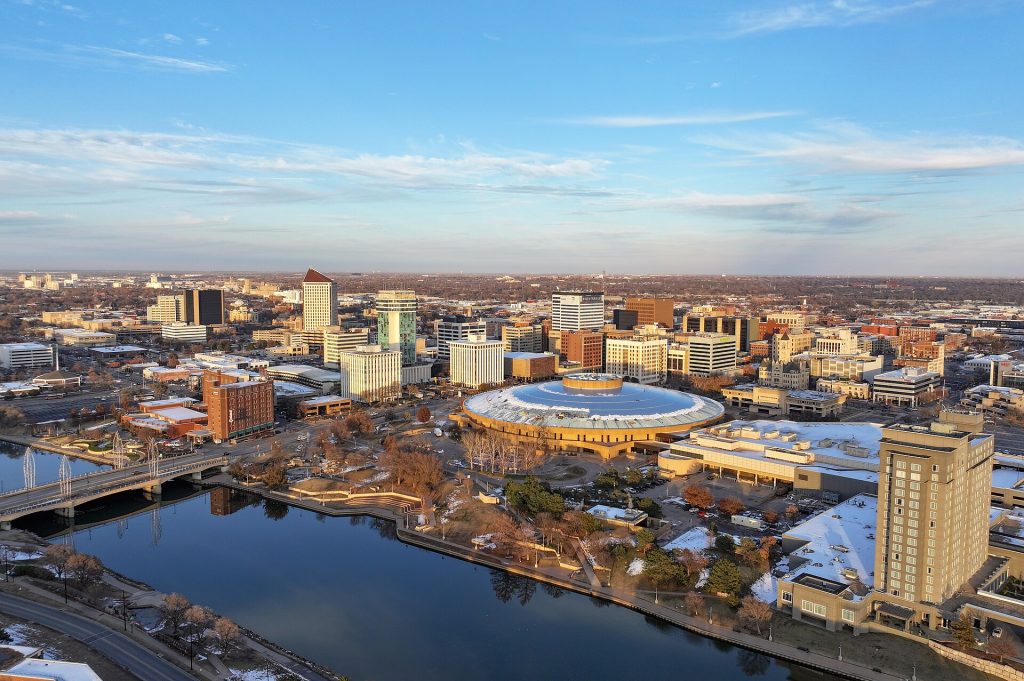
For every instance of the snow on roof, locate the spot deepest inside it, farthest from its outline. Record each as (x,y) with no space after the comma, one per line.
(24,346)
(54,669)
(626,515)
(179,414)
(119,348)
(855,474)
(289,389)
(696,539)
(170,402)
(1007,478)
(325,399)
(836,539)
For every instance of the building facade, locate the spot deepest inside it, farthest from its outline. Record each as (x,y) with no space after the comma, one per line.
(585,348)
(319,300)
(180,332)
(711,353)
(396,323)
(577,310)
(337,341)
(370,374)
(477,361)
(25,355)
(457,328)
(526,338)
(237,408)
(658,311)
(636,359)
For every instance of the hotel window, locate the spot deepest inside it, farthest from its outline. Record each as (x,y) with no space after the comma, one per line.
(847,615)
(915,466)
(901,464)
(787,596)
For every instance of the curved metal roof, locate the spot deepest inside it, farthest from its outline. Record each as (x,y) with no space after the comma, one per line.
(553,405)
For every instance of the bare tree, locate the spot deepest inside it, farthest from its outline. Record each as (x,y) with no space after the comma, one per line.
(227,633)
(173,609)
(693,602)
(756,611)
(1001,648)
(84,569)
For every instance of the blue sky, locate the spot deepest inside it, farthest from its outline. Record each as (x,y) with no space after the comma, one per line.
(842,137)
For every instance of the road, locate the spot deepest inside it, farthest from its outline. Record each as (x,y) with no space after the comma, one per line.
(1008,438)
(113,645)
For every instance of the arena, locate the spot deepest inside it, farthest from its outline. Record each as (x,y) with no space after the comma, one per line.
(596,413)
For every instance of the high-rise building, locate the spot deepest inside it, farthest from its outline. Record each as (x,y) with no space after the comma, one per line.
(204,306)
(625,320)
(370,373)
(457,328)
(644,360)
(653,311)
(577,310)
(396,323)
(167,309)
(933,510)
(836,341)
(525,338)
(744,329)
(237,408)
(339,340)
(711,353)
(477,361)
(319,300)
(585,348)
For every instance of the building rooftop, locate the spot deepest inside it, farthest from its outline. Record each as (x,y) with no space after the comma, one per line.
(119,349)
(24,346)
(314,277)
(837,540)
(906,375)
(626,406)
(170,402)
(527,355)
(179,414)
(54,669)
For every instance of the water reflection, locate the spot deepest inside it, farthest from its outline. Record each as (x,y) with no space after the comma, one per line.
(332,591)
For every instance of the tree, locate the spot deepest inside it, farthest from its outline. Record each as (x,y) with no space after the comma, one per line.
(756,611)
(172,360)
(198,620)
(532,496)
(724,578)
(692,562)
(423,414)
(660,569)
(160,390)
(726,544)
(173,609)
(84,569)
(730,505)
(963,630)
(792,511)
(771,517)
(227,633)
(273,476)
(1001,648)
(699,496)
(360,422)
(693,602)
(56,556)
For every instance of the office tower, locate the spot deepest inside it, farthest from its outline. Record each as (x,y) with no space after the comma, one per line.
(652,311)
(167,309)
(477,361)
(933,510)
(525,338)
(319,301)
(711,353)
(396,323)
(370,373)
(585,348)
(237,409)
(644,360)
(204,306)
(744,329)
(343,340)
(457,328)
(625,320)
(577,310)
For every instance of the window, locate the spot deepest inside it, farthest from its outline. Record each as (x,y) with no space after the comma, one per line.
(813,608)
(847,615)
(787,596)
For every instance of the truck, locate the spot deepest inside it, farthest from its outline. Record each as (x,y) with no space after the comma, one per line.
(747,521)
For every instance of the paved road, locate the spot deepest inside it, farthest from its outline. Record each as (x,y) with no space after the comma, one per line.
(113,645)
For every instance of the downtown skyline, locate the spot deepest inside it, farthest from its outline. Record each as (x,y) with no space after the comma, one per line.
(776,138)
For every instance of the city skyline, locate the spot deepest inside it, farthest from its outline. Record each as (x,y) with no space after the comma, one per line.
(860,138)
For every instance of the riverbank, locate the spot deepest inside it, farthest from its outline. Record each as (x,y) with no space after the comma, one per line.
(74,452)
(651,605)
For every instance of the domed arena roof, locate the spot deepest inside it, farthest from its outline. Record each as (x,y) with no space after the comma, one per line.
(598,401)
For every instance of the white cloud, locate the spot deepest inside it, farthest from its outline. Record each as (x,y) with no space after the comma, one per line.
(690,119)
(846,147)
(171,38)
(113,58)
(816,14)
(14,215)
(202,42)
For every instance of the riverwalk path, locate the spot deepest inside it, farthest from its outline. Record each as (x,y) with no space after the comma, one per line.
(647,604)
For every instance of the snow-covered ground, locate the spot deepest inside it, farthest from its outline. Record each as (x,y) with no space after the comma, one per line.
(696,539)
(766,588)
(636,567)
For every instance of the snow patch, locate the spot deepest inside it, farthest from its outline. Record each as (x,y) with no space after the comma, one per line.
(636,567)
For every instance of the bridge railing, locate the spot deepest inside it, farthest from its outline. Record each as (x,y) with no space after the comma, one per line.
(109,489)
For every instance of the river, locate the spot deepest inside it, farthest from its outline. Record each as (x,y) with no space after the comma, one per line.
(346,593)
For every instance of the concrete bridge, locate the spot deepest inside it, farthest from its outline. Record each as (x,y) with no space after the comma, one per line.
(63,495)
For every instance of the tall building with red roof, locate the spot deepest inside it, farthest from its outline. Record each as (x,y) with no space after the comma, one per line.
(319,300)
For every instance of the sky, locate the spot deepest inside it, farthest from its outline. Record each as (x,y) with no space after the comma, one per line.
(875,137)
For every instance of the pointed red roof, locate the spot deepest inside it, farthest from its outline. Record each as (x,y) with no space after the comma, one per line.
(314,276)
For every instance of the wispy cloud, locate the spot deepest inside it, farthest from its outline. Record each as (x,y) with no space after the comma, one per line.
(112,58)
(171,38)
(689,119)
(817,14)
(847,147)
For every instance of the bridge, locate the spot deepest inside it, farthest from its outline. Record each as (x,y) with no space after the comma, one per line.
(63,495)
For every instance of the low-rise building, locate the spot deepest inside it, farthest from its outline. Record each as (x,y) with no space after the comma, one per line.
(856,390)
(993,399)
(322,380)
(906,387)
(769,401)
(25,355)
(530,366)
(181,332)
(83,337)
